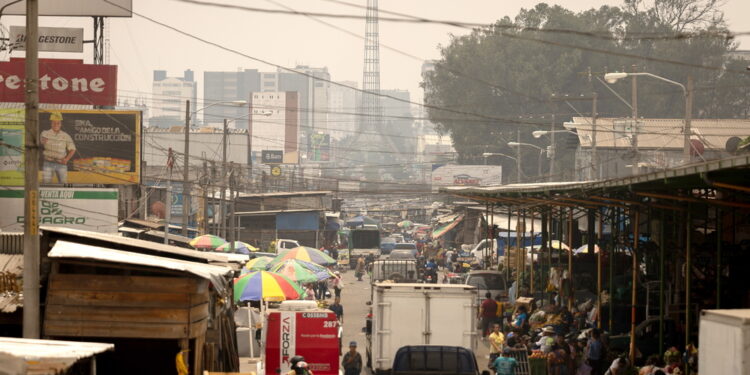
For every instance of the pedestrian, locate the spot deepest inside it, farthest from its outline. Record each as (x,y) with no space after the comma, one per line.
(497,341)
(520,319)
(337,308)
(309,292)
(336,284)
(505,365)
(360,269)
(352,361)
(299,366)
(322,290)
(487,311)
(500,309)
(595,352)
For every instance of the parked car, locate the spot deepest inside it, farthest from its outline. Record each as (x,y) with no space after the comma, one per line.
(488,281)
(407,246)
(435,359)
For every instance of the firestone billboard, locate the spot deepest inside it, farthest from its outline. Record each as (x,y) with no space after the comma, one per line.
(77,147)
(61,82)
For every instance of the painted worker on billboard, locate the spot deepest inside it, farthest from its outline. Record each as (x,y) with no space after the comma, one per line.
(58,150)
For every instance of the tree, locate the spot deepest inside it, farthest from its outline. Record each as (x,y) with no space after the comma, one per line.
(499,80)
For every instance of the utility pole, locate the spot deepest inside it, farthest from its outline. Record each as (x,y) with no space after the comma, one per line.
(186,189)
(518,157)
(688,118)
(552,150)
(634,103)
(223,192)
(205,182)
(231,236)
(31,181)
(168,197)
(594,161)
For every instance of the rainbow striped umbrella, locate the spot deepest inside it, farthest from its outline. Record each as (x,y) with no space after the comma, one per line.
(239,247)
(301,271)
(266,286)
(258,264)
(307,254)
(207,241)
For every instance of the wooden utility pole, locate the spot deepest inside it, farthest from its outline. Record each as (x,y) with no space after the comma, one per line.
(223,192)
(594,162)
(552,152)
(31,180)
(634,103)
(186,189)
(688,118)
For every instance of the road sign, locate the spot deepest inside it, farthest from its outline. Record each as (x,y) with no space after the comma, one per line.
(276,171)
(272,156)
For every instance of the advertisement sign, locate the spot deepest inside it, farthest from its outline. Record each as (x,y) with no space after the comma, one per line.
(79,208)
(72,8)
(319,148)
(78,147)
(467,175)
(272,156)
(311,334)
(51,39)
(61,82)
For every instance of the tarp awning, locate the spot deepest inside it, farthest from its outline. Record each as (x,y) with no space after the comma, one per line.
(439,232)
(29,356)
(70,250)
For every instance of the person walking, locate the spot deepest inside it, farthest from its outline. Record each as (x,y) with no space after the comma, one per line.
(487,313)
(505,365)
(360,269)
(338,309)
(352,361)
(497,341)
(595,352)
(336,284)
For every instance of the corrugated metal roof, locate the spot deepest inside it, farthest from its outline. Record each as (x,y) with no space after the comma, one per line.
(152,246)
(659,133)
(274,212)
(686,170)
(22,356)
(71,250)
(11,243)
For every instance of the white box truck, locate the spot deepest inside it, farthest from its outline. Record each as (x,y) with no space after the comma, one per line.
(724,342)
(419,314)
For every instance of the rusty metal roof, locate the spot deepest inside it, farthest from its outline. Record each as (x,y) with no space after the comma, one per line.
(29,356)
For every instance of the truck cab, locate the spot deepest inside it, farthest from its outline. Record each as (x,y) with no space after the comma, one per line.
(362,243)
(283,244)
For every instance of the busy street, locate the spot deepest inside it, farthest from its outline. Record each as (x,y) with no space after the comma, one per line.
(374,187)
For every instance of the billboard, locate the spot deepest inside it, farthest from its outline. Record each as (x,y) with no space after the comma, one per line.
(79,208)
(77,147)
(61,82)
(319,148)
(467,175)
(72,8)
(51,39)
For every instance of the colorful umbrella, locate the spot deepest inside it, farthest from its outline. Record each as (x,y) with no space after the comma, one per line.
(267,286)
(258,264)
(301,271)
(294,271)
(207,241)
(405,224)
(307,254)
(239,247)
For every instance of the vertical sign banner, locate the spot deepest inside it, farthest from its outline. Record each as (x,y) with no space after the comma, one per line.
(61,82)
(319,148)
(79,208)
(78,147)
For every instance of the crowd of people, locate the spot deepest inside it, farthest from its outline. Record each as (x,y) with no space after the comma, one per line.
(565,348)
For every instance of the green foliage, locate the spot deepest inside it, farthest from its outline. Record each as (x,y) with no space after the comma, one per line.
(500,79)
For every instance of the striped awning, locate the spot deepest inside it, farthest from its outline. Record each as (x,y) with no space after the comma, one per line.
(440,231)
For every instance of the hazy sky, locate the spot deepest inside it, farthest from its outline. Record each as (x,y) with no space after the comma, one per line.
(139,46)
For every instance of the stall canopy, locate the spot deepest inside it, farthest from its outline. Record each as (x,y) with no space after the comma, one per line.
(439,232)
(217,275)
(28,356)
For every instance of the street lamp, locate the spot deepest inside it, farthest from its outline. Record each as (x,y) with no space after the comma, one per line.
(687,92)
(540,133)
(539,161)
(186,190)
(518,164)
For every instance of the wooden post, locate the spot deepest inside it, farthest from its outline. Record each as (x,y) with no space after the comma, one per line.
(570,260)
(634,285)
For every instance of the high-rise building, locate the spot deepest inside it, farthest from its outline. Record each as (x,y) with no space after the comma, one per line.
(342,109)
(274,124)
(228,86)
(168,98)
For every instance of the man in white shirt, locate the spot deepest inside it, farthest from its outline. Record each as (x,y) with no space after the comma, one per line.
(58,150)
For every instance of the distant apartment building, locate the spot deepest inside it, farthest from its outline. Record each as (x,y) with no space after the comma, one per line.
(343,101)
(311,84)
(274,124)
(168,98)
